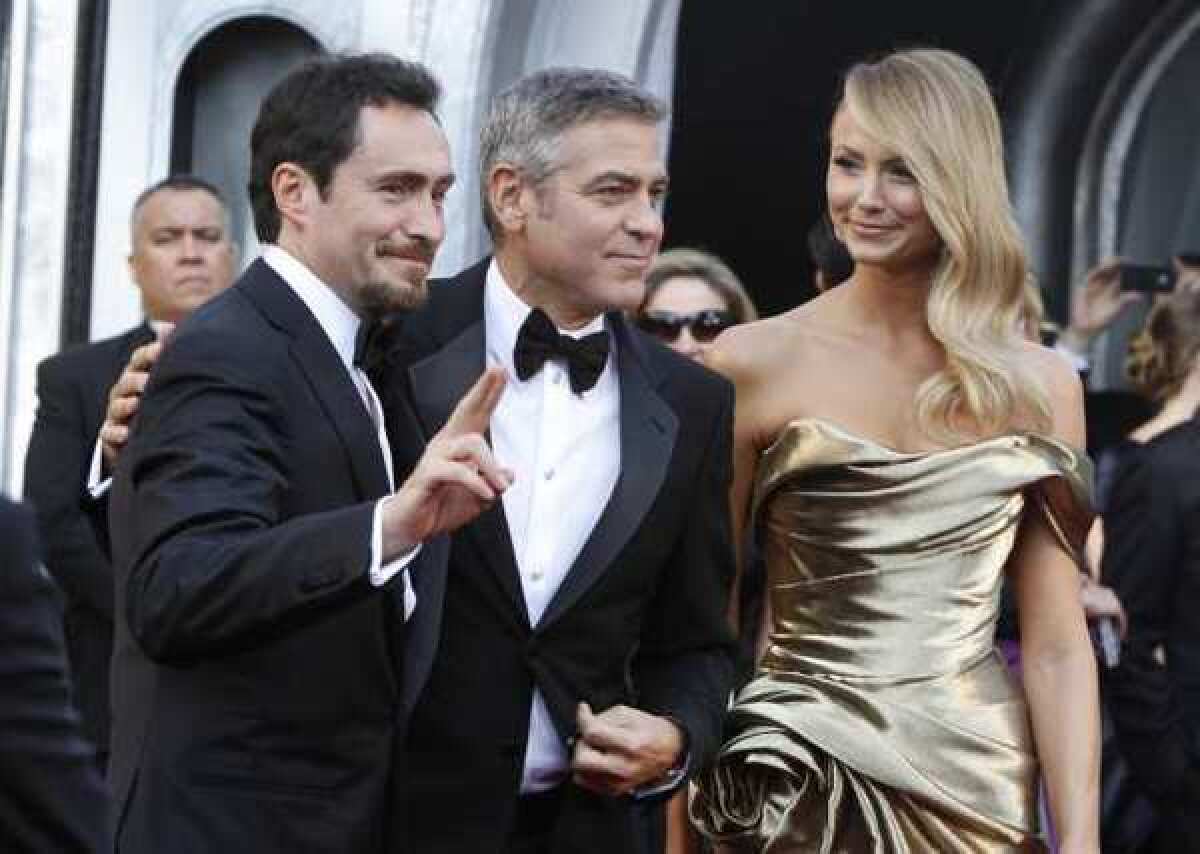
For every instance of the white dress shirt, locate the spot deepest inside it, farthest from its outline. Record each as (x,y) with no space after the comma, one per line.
(341,324)
(565,449)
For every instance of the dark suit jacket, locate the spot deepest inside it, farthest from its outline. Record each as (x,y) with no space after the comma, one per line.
(1152,562)
(257,673)
(72,396)
(51,796)
(639,619)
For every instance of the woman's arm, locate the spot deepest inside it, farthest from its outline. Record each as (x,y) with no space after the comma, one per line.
(1058,666)
(729,357)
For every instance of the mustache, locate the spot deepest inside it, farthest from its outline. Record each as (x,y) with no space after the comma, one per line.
(417,249)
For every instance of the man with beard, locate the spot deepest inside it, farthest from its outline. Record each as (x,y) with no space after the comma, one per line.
(270,580)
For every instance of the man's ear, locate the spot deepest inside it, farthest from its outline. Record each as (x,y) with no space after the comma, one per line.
(294,192)
(508,197)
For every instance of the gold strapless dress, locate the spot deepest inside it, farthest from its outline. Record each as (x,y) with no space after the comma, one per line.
(881,718)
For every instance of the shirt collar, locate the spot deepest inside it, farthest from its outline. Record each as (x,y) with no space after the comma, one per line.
(504,312)
(336,318)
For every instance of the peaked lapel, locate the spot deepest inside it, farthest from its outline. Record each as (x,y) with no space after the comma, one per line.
(438,382)
(326,374)
(648,431)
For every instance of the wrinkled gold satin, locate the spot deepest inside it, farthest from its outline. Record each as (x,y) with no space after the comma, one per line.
(881,718)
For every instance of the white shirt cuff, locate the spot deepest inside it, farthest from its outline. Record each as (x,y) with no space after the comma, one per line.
(1079,361)
(96,486)
(381,573)
(668,782)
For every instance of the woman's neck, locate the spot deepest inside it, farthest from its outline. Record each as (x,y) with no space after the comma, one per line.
(892,303)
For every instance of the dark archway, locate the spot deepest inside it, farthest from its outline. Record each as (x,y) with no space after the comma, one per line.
(216,101)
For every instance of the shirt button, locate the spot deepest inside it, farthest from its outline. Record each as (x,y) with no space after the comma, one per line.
(536,574)
(548,474)
(556,377)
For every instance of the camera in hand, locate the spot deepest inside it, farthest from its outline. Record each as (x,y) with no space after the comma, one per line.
(1147,279)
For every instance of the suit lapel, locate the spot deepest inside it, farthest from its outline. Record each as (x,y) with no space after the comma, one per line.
(326,374)
(648,431)
(438,382)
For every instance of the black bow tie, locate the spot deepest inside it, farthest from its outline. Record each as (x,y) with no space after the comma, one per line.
(538,341)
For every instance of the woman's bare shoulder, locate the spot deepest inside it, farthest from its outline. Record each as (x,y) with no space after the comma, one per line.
(1062,386)
(752,350)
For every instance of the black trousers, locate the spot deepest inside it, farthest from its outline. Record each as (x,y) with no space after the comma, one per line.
(533,825)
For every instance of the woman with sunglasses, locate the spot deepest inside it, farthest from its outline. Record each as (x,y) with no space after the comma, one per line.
(691,297)
(901,447)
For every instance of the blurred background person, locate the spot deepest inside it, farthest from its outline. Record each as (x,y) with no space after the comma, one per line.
(691,297)
(1152,562)
(51,797)
(181,256)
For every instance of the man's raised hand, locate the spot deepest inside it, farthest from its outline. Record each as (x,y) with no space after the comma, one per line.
(457,477)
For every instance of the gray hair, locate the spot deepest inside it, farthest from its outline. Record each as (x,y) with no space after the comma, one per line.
(526,121)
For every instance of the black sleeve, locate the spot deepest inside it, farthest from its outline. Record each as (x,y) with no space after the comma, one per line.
(56,466)
(215,565)
(52,798)
(1144,534)
(684,666)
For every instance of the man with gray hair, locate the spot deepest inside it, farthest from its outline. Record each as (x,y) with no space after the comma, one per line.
(584,658)
(180,256)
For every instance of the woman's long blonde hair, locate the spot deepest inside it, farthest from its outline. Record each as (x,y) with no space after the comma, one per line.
(935,110)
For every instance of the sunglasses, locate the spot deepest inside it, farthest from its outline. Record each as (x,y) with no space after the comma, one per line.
(705,325)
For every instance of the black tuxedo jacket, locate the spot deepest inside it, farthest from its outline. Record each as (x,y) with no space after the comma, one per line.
(1152,562)
(639,619)
(72,392)
(257,674)
(51,796)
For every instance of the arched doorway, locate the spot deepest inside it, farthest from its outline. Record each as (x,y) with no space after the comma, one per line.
(217,96)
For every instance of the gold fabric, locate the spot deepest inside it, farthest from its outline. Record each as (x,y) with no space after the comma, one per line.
(881,718)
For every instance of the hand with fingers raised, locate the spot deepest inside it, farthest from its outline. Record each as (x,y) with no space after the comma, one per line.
(457,477)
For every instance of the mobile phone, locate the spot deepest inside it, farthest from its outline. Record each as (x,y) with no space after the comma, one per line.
(1151,280)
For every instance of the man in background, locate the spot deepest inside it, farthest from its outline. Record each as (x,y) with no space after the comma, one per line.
(181,256)
(52,798)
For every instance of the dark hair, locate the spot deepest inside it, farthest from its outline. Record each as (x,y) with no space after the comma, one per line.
(526,121)
(828,253)
(1164,352)
(311,118)
(698,264)
(181,181)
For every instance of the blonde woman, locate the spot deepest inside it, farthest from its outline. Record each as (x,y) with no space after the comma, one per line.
(901,445)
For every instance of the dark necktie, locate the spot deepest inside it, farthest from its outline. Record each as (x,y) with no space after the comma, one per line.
(364,342)
(538,341)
